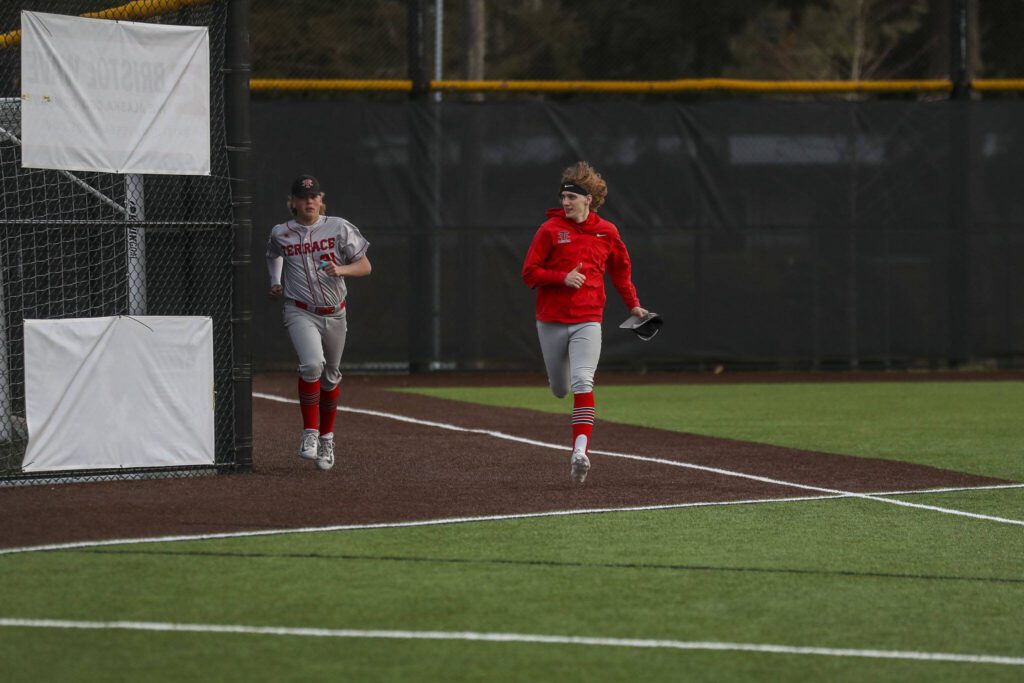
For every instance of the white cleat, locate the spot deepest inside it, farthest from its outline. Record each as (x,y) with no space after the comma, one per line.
(325,460)
(308,445)
(579,466)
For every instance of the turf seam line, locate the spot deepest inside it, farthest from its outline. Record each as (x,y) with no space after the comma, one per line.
(529,638)
(550,564)
(662,461)
(444,521)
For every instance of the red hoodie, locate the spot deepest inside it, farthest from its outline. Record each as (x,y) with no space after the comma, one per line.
(562,244)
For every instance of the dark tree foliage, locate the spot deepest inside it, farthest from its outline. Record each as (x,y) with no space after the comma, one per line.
(1000,29)
(606,39)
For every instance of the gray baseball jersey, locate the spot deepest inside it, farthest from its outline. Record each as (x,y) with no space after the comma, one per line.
(304,251)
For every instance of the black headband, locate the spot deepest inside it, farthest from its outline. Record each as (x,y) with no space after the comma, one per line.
(575,189)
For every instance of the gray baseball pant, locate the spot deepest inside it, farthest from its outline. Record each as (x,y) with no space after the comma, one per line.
(571,353)
(319,342)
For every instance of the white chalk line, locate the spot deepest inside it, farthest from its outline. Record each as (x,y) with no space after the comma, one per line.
(529,638)
(484,518)
(662,461)
(445,521)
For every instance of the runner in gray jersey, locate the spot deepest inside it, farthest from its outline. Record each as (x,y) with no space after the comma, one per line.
(316,252)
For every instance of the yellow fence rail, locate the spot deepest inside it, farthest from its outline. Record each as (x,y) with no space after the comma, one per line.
(137,9)
(998,85)
(328,84)
(691,85)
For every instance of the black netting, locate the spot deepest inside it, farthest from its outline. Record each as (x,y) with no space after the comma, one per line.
(77,244)
(768,234)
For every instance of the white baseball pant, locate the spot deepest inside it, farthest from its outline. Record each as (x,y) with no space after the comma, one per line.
(571,353)
(319,342)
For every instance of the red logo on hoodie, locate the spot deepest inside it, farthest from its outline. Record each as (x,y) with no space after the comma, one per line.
(563,237)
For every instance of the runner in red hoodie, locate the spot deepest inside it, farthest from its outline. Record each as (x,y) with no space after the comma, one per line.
(566,263)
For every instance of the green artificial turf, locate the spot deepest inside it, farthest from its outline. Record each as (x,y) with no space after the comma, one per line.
(119,657)
(849,573)
(967,426)
(843,574)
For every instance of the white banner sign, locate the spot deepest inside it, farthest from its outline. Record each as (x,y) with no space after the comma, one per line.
(113,392)
(114,96)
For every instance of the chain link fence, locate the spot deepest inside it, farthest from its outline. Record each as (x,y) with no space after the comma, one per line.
(77,244)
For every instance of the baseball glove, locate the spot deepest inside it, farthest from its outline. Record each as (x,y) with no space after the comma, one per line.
(645,327)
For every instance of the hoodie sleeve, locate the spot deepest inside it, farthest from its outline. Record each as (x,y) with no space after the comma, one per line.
(621,272)
(534,272)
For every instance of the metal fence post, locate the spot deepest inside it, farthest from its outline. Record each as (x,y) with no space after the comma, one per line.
(960,162)
(423,318)
(239,143)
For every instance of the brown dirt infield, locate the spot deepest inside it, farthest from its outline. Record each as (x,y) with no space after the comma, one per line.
(391,471)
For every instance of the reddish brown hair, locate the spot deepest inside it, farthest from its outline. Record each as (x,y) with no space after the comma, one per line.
(584,175)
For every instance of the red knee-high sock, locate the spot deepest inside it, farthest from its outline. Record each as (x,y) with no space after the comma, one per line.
(582,416)
(309,401)
(328,409)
